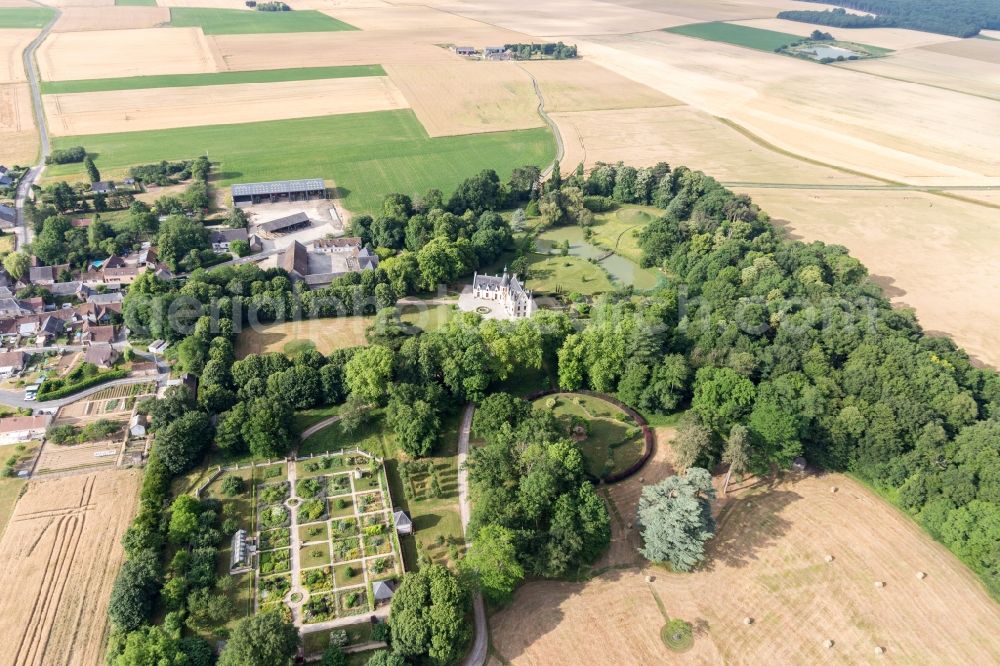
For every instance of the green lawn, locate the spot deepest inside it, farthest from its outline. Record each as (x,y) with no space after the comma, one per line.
(308,417)
(367,154)
(25,17)
(740,35)
(240,22)
(618,230)
(553,274)
(211,79)
(612,444)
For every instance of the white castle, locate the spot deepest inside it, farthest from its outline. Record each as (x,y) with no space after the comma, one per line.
(506,289)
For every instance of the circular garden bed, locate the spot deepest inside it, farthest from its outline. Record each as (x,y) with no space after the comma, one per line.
(614,439)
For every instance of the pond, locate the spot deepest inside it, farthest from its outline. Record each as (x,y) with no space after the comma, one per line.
(622,270)
(822,51)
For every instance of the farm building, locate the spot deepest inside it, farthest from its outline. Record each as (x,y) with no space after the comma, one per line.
(46,275)
(103,187)
(402,522)
(222,238)
(23,428)
(248,194)
(465,50)
(285,224)
(343,244)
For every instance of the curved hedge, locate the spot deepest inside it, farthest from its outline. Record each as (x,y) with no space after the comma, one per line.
(86,383)
(648,439)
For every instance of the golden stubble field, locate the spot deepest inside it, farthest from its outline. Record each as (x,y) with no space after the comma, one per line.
(78,19)
(161,108)
(61,553)
(767,562)
(468,97)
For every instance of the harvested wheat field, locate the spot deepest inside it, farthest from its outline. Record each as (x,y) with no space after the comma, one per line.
(986,50)
(468,97)
(79,19)
(891,129)
(940,254)
(114,53)
(887,38)
(17,127)
(312,49)
(80,3)
(392,17)
(578,85)
(61,554)
(12,44)
(162,108)
(767,562)
(966,75)
(683,135)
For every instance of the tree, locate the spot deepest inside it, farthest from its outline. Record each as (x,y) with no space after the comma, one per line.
(134,591)
(207,608)
(736,453)
(178,236)
(180,444)
(268,428)
(92,172)
(691,442)
(428,615)
(240,248)
(721,396)
(368,372)
(492,560)
(184,524)
(676,519)
(264,639)
(17,264)
(334,656)
(385,658)
(412,414)
(156,644)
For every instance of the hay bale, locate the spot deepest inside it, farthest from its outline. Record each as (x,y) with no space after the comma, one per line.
(829,558)
(833,489)
(649,579)
(748,620)
(879,649)
(880,583)
(921,575)
(828,644)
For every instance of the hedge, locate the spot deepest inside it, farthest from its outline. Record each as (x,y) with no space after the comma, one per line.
(85,383)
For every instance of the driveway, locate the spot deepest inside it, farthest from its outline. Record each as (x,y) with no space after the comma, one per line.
(477,655)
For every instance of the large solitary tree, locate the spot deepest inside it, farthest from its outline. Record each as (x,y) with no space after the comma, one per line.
(677,520)
(261,640)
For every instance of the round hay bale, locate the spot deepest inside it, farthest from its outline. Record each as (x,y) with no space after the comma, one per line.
(748,620)
(879,649)
(642,479)
(649,579)
(921,575)
(828,644)
(829,558)
(880,583)
(833,489)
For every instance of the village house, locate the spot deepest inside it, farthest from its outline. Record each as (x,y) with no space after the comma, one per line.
(46,275)
(222,239)
(98,335)
(506,289)
(12,363)
(101,355)
(8,216)
(103,187)
(23,428)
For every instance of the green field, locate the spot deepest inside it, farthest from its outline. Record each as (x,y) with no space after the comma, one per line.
(740,35)
(25,17)
(240,22)
(211,79)
(367,154)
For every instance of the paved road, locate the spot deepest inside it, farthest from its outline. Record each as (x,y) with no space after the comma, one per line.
(24,189)
(477,655)
(16,398)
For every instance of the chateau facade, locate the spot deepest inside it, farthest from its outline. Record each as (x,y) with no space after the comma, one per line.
(507,290)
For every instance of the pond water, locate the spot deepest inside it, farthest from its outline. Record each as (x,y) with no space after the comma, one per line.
(622,270)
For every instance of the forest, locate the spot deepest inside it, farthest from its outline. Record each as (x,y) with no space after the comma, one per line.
(776,347)
(960,18)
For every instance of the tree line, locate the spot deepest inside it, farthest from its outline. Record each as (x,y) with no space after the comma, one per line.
(961,18)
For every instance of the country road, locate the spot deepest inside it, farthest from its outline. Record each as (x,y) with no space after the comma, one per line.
(477,655)
(560,149)
(24,188)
